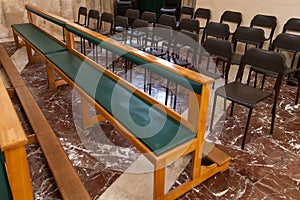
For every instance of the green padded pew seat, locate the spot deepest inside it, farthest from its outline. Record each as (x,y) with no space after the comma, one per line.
(38,39)
(153,127)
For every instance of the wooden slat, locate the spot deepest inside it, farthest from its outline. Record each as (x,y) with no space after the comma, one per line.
(214,154)
(10,69)
(18,173)
(12,134)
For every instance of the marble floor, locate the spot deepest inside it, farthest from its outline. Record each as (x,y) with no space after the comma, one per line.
(111,168)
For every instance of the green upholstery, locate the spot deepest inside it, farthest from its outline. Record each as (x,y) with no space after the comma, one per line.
(37,38)
(187,83)
(58,22)
(157,131)
(5,193)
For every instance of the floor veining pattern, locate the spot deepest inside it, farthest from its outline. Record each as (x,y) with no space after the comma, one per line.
(111,168)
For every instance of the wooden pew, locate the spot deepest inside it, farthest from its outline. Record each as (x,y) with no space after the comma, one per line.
(15,178)
(66,178)
(177,136)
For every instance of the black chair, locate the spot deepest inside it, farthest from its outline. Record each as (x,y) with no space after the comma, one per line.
(267,22)
(290,43)
(121,25)
(191,25)
(217,30)
(292,25)
(82,13)
(81,20)
(249,37)
(137,35)
(186,11)
(219,49)
(202,13)
(121,6)
(248,96)
(106,18)
(132,15)
(93,20)
(160,34)
(183,41)
(171,7)
(150,17)
(286,42)
(167,20)
(231,17)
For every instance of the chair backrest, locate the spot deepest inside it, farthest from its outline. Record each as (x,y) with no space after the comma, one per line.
(223,48)
(248,35)
(292,25)
(132,15)
(220,49)
(139,23)
(267,61)
(93,19)
(167,20)
(288,43)
(82,12)
(186,10)
(215,29)
(232,17)
(265,21)
(120,24)
(149,17)
(171,3)
(203,13)
(107,18)
(191,25)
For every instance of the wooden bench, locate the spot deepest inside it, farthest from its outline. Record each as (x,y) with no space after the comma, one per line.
(66,178)
(14,172)
(160,133)
(37,39)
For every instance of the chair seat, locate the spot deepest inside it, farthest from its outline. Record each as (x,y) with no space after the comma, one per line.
(154,52)
(182,62)
(273,74)
(242,94)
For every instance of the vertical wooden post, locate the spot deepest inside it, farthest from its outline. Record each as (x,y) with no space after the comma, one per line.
(18,173)
(159,182)
(29,53)
(198,105)
(50,76)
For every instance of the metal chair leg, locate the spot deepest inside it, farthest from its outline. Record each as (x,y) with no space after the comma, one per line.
(246,128)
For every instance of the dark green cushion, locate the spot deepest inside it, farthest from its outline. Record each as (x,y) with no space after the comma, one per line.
(4,184)
(37,38)
(157,131)
(174,77)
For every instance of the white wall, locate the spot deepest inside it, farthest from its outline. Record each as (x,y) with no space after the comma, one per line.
(282,9)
